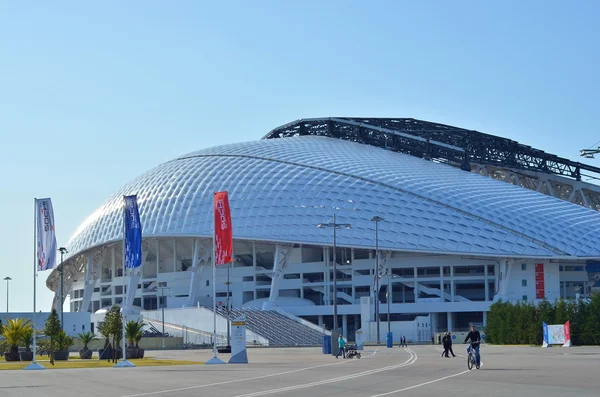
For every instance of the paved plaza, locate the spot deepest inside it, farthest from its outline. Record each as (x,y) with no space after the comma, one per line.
(295,372)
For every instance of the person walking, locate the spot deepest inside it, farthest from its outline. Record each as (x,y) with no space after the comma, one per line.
(341,347)
(450,345)
(445,344)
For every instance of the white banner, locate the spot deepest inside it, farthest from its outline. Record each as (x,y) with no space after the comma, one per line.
(46,236)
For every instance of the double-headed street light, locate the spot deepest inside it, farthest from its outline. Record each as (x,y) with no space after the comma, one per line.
(7,280)
(377,219)
(63,251)
(335,226)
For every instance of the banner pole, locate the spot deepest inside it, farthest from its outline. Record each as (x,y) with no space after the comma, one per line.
(214,359)
(34,365)
(124,362)
(214,283)
(123,285)
(34,274)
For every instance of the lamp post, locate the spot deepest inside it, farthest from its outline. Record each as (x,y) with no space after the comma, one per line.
(335,226)
(388,298)
(63,251)
(377,219)
(7,280)
(228,319)
(162,299)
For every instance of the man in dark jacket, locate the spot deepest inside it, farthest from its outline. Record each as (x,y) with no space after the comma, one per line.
(475,337)
(450,345)
(445,344)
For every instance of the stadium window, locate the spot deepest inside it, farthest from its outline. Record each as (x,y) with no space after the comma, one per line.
(523,266)
(207,283)
(524,299)
(524,283)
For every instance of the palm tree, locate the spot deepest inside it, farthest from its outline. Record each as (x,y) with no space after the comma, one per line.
(86,338)
(132,329)
(13,331)
(27,339)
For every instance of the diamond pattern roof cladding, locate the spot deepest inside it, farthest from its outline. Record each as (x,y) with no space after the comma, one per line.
(280,189)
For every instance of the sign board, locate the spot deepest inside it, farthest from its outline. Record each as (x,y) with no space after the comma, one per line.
(359,339)
(238,341)
(539,281)
(557,334)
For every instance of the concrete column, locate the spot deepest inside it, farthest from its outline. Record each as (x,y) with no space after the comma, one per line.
(450,322)
(416,290)
(113,265)
(157,257)
(487,285)
(434,322)
(345,325)
(174,255)
(321,321)
(484,318)
(442,295)
(452,285)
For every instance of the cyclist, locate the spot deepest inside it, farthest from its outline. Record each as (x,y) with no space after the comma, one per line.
(475,338)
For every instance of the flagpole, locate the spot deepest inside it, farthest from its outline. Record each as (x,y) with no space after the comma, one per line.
(34,364)
(123,285)
(214,261)
(214,359)
(34,273)
(124,362)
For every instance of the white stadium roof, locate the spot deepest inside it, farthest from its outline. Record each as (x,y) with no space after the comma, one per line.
(280,189)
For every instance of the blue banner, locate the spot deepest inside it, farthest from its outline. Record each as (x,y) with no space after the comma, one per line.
(545,332)
(133,233)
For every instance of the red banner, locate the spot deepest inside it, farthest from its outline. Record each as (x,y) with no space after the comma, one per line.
(539,281)
(223,229)
(567,332)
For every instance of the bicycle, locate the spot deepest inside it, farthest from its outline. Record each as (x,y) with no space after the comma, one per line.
(472,358)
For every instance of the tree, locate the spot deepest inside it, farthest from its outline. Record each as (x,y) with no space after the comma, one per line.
(86,338)
(52,328)
(27,339)
(13,331)
(592,321)
(561,312)
(113,328)
(132,329)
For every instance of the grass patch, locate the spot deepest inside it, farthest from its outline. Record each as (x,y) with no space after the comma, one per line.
(78,363)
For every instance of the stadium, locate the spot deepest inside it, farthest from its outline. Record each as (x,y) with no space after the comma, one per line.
(431,224)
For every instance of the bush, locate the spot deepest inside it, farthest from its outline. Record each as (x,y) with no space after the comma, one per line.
(522,323)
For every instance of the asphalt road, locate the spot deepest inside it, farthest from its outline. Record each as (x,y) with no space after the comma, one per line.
(417,371)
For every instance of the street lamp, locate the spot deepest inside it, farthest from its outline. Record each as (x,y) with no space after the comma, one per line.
(162,299)
(377,219)
(388,297)
(228,283)
(7,280)
(63,251)
(335,226)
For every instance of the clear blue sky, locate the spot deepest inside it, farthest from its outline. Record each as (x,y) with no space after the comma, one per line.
(94,94)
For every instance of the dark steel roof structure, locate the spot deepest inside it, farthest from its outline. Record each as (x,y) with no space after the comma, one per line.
(438,142)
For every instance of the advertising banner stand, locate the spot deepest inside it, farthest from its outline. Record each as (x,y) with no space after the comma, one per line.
(359,339)
(238,341)
(557,334)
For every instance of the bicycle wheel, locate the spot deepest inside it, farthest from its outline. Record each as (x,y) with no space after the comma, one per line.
(470,361)
(357,355)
